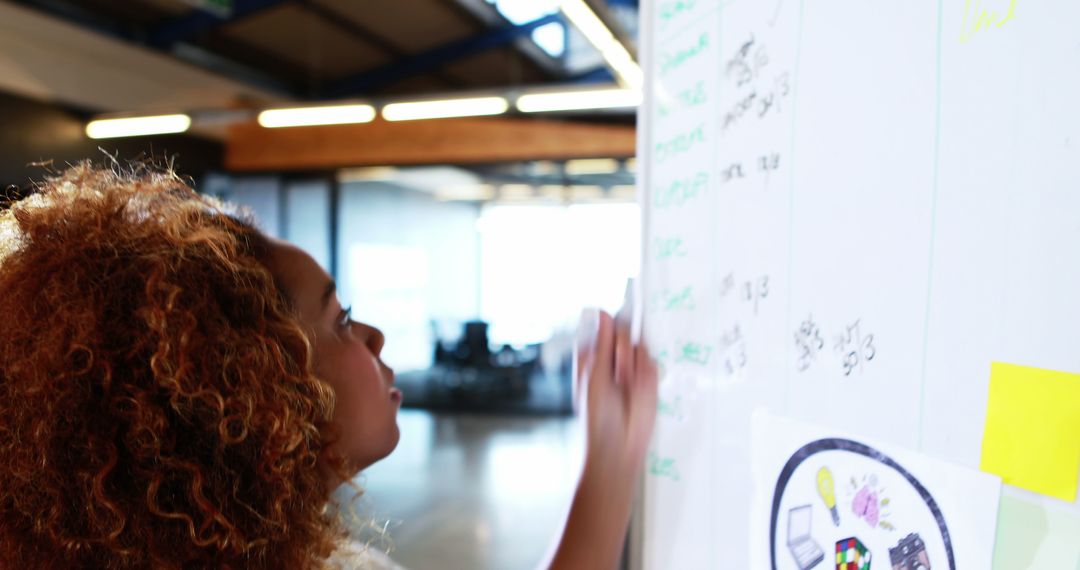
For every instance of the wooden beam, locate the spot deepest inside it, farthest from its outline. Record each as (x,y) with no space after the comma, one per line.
(250,147)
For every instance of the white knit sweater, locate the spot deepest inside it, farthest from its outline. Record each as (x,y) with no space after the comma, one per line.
(354,555)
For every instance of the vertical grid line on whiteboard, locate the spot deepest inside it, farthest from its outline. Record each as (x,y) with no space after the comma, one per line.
(791,207)
(715,239)
(933,225)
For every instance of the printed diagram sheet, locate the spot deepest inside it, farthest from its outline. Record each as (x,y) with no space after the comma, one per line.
(826,500)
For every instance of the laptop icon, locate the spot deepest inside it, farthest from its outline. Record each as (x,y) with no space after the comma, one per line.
(807,553)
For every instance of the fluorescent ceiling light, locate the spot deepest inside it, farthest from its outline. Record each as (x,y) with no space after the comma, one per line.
(467,192)
(592,166)
(515,191)
(545,167)
(575,100)
(631,164)
(367,174)
(137,126)
(446,108)
(312,116)
(614,53)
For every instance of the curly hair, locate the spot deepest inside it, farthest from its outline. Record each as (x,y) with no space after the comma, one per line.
(157,405)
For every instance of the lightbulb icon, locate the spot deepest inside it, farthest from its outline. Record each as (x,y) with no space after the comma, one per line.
(826,489)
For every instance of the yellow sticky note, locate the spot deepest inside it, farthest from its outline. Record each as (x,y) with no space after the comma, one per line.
(1032,434)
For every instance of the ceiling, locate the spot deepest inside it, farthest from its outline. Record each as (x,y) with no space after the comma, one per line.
(310,50)
(136,56)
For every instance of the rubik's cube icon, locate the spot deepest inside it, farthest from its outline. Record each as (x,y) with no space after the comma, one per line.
(852,555)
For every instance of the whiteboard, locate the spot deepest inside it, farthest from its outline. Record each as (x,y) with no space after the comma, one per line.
(905,175)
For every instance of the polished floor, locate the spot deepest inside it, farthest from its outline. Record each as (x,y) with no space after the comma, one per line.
(474,492)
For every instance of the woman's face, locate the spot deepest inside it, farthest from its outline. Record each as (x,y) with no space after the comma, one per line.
(346,355)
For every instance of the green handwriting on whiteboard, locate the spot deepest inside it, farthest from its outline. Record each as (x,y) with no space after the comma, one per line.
(671,301)
(694,353)
(680,300)
(669,247)
(680,191)
(977,18)
(670,409)
(663,467)
(685,99)
(679,144)
(672,61)
(673,9)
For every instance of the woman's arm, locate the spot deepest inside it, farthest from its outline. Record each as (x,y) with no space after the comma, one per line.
(619,381)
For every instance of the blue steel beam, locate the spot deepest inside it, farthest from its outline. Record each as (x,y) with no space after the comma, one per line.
(434,58)
(596,75)
(199,21)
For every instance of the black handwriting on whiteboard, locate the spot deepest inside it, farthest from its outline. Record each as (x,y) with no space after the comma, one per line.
(808,343)
(855,347)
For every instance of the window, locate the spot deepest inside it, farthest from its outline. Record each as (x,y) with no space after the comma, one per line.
(551,37)
(540,265)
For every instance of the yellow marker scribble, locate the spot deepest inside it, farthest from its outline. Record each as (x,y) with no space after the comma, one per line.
(977,19)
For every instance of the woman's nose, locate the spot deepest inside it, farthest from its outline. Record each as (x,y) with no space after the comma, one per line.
(373,338)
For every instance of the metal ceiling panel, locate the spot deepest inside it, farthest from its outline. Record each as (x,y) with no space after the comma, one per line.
(413,26)
(414,86)
(497,68)
(47,59)
(294,34)
(139,12)
(171,7)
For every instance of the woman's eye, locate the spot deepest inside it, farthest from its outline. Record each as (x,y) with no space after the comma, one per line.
(345,317)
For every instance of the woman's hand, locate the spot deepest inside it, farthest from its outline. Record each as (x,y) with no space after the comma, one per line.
(619,383)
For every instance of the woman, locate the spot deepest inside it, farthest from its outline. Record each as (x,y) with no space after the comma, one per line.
(179,391)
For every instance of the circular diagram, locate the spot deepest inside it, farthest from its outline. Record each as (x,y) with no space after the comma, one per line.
(842,504)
